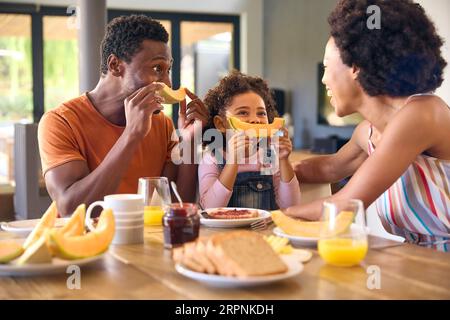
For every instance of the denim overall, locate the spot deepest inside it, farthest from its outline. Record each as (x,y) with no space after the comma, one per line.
(252,190)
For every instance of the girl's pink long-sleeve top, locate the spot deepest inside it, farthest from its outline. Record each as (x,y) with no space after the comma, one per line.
(214,194)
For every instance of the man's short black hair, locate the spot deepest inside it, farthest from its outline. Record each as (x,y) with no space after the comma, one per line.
(124,35)
(400,59)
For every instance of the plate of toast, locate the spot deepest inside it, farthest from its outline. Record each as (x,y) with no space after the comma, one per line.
(231,217)
(234,259)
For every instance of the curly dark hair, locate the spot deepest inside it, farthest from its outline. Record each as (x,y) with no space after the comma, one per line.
(400,59)
(219,98)
(124,35)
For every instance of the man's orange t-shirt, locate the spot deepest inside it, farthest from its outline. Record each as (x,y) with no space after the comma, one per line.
(77,131)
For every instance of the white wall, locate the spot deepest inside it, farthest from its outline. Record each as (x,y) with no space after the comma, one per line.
(250,11)
(439,12)
(296,32)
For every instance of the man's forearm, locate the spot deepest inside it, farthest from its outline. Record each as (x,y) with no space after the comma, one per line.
(105,179)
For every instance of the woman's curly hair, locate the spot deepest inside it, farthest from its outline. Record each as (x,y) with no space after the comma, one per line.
(124,35)
(400,59)
(219,98)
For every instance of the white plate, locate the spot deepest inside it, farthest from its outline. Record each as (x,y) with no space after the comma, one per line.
(24,227)
(294,268)
(232,223)
(306,241)
(56,266)
(295,240)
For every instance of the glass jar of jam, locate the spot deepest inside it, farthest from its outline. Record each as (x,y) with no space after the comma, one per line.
(181,223)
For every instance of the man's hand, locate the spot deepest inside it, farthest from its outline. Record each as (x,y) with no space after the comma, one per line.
(188,114)
(139,108)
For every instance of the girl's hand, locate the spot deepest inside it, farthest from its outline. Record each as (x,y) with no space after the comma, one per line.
(236,147)
(284,145)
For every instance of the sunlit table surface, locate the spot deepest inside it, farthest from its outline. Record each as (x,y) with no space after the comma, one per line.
(146,271)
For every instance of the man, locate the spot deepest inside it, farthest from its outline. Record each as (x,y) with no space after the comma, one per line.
(102,142)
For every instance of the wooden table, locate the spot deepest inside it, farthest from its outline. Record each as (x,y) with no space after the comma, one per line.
(146,271)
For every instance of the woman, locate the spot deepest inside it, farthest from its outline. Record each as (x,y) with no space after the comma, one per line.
(399,156)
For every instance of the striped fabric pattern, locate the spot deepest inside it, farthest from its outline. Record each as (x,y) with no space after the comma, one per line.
(417,205)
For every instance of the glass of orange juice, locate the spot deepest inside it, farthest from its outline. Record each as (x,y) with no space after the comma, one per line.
(343,237)
(156,193)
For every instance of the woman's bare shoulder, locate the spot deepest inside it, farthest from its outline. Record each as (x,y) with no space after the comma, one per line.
(429,110)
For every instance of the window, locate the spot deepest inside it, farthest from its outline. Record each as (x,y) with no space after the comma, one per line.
(206,54)
(39,62)
(16,85)
(60,61)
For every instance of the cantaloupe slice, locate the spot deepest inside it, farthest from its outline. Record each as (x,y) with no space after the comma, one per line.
(75,225)
(311,229)
(9,250)
(88,245)
(172,96)
(47,221)
(257,130)
(37,252)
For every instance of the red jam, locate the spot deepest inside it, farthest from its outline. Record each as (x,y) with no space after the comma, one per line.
(181,224)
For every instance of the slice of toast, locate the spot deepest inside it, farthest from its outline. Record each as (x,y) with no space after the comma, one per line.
(213,256)
(203,257)
(184,256)
(245,254)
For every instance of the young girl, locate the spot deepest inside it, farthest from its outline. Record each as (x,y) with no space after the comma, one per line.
(230,184)
(399,157)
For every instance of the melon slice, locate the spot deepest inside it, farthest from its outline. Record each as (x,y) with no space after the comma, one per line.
(75,225)
(88,245)
(172,96)
(9,250)
(47,221)
(37,252)
(258,130)
(311,229)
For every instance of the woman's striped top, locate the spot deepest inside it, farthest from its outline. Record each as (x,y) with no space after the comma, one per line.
(417,205)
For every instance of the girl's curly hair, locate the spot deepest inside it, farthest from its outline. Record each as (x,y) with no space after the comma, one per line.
(218,98)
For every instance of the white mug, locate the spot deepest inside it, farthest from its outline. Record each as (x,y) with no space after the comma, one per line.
(122,203)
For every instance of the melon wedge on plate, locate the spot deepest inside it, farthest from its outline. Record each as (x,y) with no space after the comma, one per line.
(311,229)
(37,252)
(88,245)
(47,221)
(75,225)
(9,250)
